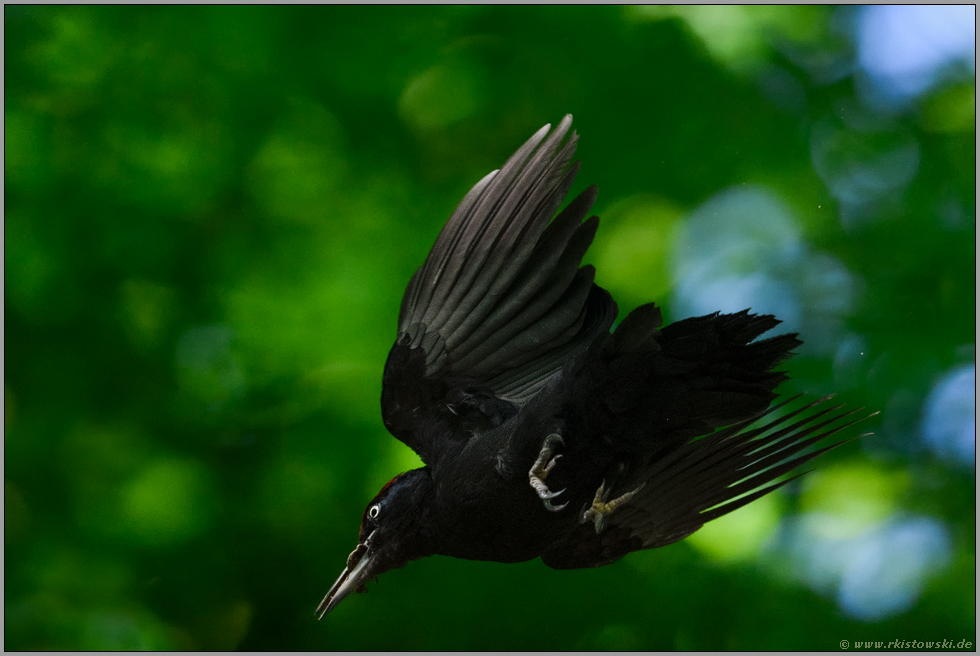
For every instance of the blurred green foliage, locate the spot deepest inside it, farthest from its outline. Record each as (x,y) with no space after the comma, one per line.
(211,214)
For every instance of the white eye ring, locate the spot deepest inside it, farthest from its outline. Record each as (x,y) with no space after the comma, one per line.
(374,511)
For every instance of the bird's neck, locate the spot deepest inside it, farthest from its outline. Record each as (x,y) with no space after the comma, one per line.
(420,534)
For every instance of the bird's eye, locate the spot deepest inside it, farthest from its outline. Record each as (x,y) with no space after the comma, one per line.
(374,511)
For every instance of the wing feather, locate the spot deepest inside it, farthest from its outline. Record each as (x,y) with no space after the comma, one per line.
(500,303)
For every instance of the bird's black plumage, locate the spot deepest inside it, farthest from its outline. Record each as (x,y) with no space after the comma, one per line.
(543,433)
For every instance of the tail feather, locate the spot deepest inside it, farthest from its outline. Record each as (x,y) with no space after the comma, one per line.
(662,386)
(638,331)
(715,475)
(680,490)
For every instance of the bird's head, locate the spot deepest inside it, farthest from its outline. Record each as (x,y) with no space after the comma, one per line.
(392,534)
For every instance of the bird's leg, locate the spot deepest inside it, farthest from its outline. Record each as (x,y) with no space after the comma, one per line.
(540,470)
(601,506)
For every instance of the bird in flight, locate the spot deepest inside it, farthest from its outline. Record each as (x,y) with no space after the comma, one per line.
(543,432)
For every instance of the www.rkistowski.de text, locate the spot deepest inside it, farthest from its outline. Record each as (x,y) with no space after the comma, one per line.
(907,644)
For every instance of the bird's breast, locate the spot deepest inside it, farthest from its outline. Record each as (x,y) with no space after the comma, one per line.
(484,515)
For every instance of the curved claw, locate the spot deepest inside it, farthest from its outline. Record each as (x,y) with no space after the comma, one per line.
(546,495)
(551,439)
(548,506)
(540,470)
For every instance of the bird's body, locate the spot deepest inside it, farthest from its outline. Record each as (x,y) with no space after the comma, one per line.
(546,434)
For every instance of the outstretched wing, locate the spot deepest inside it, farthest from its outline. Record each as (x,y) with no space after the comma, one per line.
(499,304)
(704,479)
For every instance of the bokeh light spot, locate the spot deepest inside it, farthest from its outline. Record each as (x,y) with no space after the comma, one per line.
(632,249)
(905,49)
(740,535)
(443,95)
(857,494)
(889,568)
(169,502)
(743,249)
(738,36)
(949,423)
(75,54)
(951,110)
(861,168)
(179,167)
(874,572)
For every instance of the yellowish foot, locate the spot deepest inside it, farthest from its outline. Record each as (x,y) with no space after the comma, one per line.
(602,507)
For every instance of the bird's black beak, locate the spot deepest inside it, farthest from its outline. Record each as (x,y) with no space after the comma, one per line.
(361,567)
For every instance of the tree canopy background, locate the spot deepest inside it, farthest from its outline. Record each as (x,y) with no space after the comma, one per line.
(211,214)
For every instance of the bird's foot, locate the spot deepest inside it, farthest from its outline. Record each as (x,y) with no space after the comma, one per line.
(540,470)
(601,506)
